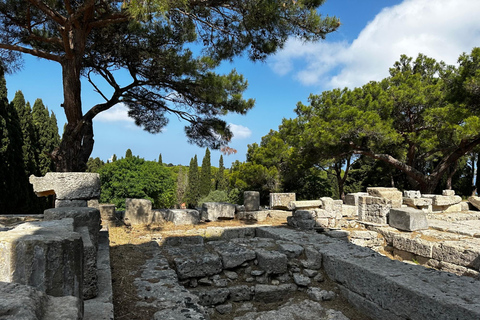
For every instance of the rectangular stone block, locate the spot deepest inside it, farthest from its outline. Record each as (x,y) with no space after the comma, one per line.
(349,211)
(67,185)
(138,212)
(417,246)
(407,219)
(374,209)
(251,200)
(446,200)
(181,217)
(448,193)
(281,200)
(417,202)
(272,261)
(412,194)
(213,211)
(306,204)
(391,194)
(351,199)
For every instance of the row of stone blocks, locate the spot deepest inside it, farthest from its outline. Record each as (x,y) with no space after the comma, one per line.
(57,256)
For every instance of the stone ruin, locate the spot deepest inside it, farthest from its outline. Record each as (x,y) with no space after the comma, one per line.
(229,271)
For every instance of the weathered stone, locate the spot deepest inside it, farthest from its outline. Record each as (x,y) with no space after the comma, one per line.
(304,214)
(411,194)
(269,293)
(314,258)
(212,296)
(464,206)
(292,250)
(475,201)
(281,200)
(230,274)
(198,264)
(415,245)
(407,219)
(213,211)
(447,208)
(47,255)
(67,185)
(240,293)
(251,200)
(391,194)
(70,203)
(138,212)
(445,200)
(26,303)
(352,199)
(272,261)
(417,202)
(232,255)
(305,204)
(448,193)
(374,209)
(181,217)
(458,252)
(107,213)
(224,308)
(349,211)
(301,280)
(318,294)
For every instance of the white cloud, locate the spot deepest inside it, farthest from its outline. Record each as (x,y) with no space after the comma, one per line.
(119,112)
(239,131)
(441,29)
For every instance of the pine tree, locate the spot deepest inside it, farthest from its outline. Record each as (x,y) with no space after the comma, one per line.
(160,159)
(220,180)
(193,194)
(48,137)
(206,175)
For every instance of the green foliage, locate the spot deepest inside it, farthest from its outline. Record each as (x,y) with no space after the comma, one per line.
(94,165)
(128,154)
(193,189)
(220,179)
(206,175)
(160,159)
(133,177)
(216,196)
(153,41)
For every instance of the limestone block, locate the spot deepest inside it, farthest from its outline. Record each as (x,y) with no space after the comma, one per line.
(198,265)
(270,293)
(281,200)
(351,199)
(212,211)
(474,201)
(70,203)
(305,204)
(67,185)
(414,245)
(447,208)
(271,261)
(107,212)
(82,217)
(464,206)
(458,252)
(417,202)
(47,255)
(232,255)
(412,194)
(349,211)
(407,219)
(251,200)
(446,200)
(448,193)
(27,303)
(138,212)
(93,203)
(338,208)
(182,216)
(374,209)
(391,194)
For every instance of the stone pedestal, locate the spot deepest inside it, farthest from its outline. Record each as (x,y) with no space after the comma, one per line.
(138,212)
(251,200)
(281,200)
(407,219)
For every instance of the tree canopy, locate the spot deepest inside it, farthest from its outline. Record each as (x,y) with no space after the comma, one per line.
(157,44)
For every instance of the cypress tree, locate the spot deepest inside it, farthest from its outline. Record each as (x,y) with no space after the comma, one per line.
(193,193)
(128,154)
(220,180)
(206,175)
(114,157)
(160,159)
(48,137)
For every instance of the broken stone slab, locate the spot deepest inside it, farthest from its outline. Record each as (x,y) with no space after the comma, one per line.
(271,261)
(407,219)
(213,211)
(138,212)
(291,249)
(70,203)
(392,194)
(270,293)
(411,194)
(47,255)
(349,211)
(417,202)
(240,293)
(67,185)
(474,201)
(232,255)
(415,245)
(198,264)
(210,297)
(448,193)
(438,200)
(251,200)
(23,302)
(462,253)
(305,204)
(181,217)
(281,200)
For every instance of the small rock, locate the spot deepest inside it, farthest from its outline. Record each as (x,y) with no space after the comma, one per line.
(231,275)
(262,279)
(310,273)
(220,283)
(318,294)
(319,277)
(205,282)
(257,273)
(248,306)
(249,279)
(275,282)
(193,283)
(224,308)
(301,280)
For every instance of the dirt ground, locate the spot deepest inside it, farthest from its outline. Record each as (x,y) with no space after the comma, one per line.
(130,248)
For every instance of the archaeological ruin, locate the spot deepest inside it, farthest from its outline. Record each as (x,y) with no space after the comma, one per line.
(386,254)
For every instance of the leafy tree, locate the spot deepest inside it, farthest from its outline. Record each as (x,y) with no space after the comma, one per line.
(152,41)
(94,165)
(47,134)
(193,193)
(410,120)
(133,177)
(206,175)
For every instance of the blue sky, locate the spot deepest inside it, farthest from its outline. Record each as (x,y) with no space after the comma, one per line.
(373,35)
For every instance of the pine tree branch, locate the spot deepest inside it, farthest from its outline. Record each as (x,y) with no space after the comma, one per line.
(33,52)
